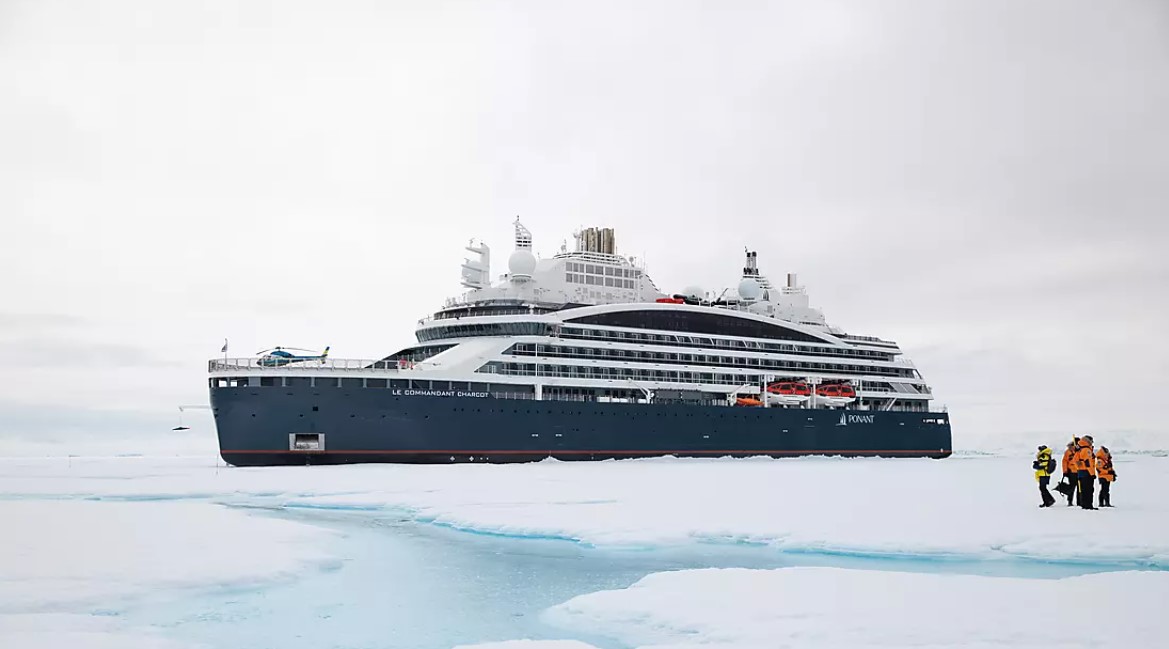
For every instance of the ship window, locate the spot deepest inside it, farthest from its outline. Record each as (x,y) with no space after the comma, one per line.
(350,382)
(325,382)
(375,383)
(296,381)
(704,323)
(269,381)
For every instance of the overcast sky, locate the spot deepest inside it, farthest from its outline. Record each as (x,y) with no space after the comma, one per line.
(986,182)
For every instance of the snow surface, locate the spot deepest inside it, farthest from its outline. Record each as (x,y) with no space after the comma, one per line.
(831,607)
(529,644)
(60,556)
(80,533)
(72,631)
(969,507)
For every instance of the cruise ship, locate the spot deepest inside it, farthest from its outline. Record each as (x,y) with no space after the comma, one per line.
(580,356)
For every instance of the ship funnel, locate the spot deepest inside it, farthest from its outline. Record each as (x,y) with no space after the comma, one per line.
(751,266)
(791,280)
(601,240)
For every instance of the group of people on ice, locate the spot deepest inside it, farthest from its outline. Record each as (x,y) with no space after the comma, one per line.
(1082,466)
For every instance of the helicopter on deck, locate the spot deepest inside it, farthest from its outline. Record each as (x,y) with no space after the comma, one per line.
(281,356)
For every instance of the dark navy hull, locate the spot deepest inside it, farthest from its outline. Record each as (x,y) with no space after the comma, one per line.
(256,427)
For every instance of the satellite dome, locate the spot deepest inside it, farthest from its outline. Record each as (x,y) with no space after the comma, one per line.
(749,289)
(695,292)
(522,263)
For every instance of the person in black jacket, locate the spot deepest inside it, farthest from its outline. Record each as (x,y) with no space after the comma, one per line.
(1069,474)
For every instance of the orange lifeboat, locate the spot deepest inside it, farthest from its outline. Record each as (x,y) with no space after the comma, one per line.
(788,393)
(670,300)
(835,394)
(747,401)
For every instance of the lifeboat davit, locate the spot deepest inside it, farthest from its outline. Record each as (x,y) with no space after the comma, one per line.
(835,395)
(788,393)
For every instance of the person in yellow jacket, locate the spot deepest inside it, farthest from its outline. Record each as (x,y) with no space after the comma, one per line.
(1085,465)
(1107,475)
(1044,466)
(1069,472)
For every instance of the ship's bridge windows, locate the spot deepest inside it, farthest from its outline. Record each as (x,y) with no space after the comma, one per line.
(483,329)
(505,307)
(690,321)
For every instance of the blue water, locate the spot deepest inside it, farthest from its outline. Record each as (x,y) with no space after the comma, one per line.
(405,584)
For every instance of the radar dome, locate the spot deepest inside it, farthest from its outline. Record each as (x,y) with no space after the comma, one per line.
(695,292)
(749,289)
(522,263)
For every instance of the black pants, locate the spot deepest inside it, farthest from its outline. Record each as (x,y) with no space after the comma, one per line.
(1048,499)
(1086,489)
(1105,497)
(1072,480)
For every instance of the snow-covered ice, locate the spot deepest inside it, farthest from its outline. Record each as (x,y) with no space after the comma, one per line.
(970,507)
(58,556)
(83,533)
(529,644)
(831,607)
(55,553)
(77,631)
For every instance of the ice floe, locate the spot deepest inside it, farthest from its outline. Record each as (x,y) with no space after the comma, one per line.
(73,631)
(832,607)
(964,508)
(529,644)
(84,535)
(66,566)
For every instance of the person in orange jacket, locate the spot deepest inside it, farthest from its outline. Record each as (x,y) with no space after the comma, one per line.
(1085,465)
(1106,473)
(1069,473)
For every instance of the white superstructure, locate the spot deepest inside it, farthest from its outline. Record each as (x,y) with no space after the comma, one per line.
(591,324)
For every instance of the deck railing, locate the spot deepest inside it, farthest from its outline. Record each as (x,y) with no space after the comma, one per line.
(327,364)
